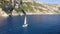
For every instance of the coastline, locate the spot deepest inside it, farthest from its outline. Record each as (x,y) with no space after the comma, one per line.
(41,13)
(3,14)
(21,14)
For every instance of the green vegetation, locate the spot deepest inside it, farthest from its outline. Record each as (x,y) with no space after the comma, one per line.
(26,6)
(59,8)
(6,4)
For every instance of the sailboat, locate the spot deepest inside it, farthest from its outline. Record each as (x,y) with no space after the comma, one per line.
(25,23)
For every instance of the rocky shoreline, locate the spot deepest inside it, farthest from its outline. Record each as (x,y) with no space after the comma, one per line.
(21,14)
(3,14)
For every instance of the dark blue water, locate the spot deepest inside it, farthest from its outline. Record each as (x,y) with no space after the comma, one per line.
(37,24)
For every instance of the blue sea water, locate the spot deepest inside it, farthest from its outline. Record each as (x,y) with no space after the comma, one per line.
(37,24)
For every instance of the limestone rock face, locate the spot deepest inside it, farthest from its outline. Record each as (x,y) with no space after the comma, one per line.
(2,13)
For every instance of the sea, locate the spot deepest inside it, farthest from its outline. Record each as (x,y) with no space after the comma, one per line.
(37,24)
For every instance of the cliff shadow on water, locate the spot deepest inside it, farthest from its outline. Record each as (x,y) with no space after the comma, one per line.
(9,24)
(14,24)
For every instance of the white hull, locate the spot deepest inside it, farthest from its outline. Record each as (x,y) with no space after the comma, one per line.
(25,25)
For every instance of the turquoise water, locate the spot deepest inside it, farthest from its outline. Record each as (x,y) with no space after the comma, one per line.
(37,24)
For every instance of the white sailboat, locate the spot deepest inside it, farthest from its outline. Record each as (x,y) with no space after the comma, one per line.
(25,23)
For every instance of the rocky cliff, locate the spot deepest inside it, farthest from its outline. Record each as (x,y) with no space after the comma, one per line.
(36,8)
(2,13)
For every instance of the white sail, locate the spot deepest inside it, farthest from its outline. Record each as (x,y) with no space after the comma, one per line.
(25,22)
